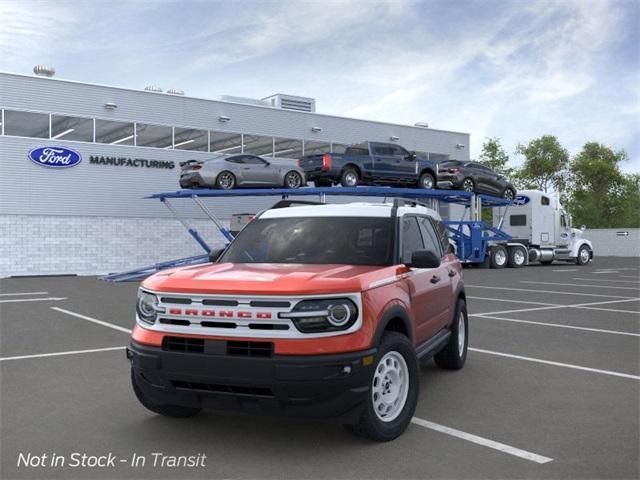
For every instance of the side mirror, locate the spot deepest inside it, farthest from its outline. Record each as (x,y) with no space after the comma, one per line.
(424,259)
(412,156)
(214,255)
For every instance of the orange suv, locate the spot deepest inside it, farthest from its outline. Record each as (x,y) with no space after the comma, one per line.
(315,310)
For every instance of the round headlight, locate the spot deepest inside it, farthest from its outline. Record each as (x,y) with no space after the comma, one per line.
(339,314)
(147,307)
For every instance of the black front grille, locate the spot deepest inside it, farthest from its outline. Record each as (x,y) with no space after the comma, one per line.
(217,347)
(250,349)
(228,389)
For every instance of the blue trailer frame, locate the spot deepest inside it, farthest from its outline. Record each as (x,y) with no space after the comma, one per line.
(472,237)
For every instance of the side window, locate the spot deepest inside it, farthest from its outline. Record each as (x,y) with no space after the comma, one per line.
(431,240)
(235,159)
(399,151)
(411,238)
(517,220)
(441,231)
(544,201)
(563,220)
(251,160)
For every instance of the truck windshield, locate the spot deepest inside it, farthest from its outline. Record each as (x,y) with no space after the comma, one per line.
(314,240)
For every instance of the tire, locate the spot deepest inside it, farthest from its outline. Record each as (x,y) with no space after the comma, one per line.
(175,411)
(498,256)
(427,181)
(398,355)
(454,355)
(584,255)
(517,257)
(292,180)
(468,185)
(226,180)
(349,177)
(508,194)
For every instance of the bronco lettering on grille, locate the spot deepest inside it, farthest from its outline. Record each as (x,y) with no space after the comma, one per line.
(194,312)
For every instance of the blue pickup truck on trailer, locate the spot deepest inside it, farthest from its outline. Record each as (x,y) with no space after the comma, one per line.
(371,163)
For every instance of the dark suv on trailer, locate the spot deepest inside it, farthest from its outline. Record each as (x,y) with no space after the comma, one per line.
(474,177)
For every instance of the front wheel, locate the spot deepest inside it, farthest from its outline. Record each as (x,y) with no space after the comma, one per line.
(454,355)
(393,394)
(293,180)
(427,181)
(468,185)
(584,255)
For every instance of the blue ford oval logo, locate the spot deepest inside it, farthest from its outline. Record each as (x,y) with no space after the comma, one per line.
(55,157)
(521,200)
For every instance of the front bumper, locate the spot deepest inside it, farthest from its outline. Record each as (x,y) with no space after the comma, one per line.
(319,386)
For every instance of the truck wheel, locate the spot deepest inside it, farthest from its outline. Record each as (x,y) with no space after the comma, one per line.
(349,178)
(393,396)
(517,257)
(176,411)
(498,256)
(226,180)
(454,354)
(427,181)
(584,255)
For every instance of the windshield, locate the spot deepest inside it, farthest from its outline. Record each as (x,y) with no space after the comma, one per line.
(314,240)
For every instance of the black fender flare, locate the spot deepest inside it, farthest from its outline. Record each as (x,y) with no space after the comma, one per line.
(395,311)
(428,170)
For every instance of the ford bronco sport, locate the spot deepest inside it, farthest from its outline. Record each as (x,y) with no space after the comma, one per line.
(317,310)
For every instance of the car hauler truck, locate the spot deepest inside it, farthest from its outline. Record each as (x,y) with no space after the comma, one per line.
(538,225)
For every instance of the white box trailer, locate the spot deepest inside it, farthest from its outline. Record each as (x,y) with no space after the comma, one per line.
(537,223)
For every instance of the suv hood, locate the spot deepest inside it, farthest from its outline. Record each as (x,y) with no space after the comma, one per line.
(267,279)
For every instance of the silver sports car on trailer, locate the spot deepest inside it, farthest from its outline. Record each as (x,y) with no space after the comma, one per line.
(241,170)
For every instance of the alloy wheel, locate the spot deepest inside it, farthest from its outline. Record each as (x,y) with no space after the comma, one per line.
(293,180)
(467,185)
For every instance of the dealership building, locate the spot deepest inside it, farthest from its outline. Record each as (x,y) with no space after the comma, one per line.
(92,217)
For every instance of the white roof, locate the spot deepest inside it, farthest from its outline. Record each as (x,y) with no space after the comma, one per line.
(357,209)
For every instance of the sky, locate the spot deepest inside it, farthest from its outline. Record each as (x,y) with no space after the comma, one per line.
(509,69)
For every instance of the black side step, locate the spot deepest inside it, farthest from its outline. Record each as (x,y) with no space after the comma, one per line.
(432,346)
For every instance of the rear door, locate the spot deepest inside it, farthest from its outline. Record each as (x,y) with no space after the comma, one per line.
(384,161)
(427,286)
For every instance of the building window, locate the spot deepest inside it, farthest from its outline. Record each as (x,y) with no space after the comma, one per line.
(190,139)
(114,133)
(315,148)
(258,145)
(287,148)
(157,136)
(225,142)
(26,124)
(71,128)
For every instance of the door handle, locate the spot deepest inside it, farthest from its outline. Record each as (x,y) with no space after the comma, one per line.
(452,273)
(435,279)
(246,168)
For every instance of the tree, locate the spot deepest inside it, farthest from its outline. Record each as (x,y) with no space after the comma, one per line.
(495,157)
(601,196)
(545,164)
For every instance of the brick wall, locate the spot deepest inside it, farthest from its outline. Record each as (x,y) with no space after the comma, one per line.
(45,245)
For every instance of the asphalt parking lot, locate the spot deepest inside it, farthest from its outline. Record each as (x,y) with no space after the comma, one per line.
(551,389)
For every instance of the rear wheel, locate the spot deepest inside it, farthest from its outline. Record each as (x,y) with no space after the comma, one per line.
(427,181)
(226,180)
(454,354)
(584,255)
(517,257)
(509,194)
(293,179)
(176,411)
(468,185)
(393,395)
(498,256)
(349,178)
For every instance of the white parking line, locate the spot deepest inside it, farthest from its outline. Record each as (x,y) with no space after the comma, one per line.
(20,300)
(485,442)
(604,280)
(558,325)
(23,293)
(57,354)
(567,270)
(587,306)
(556,364)
(530,290)
(628,276)
(582,285)
(514,301)
(92,320)
(555,307)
